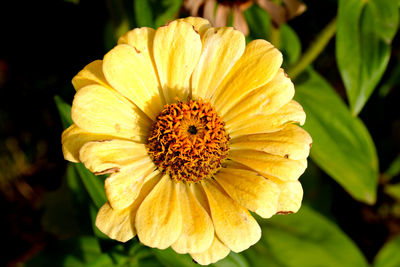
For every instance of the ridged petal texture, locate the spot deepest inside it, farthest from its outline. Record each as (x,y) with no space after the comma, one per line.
(117,101)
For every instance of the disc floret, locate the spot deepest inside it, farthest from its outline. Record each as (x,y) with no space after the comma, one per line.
(188,141)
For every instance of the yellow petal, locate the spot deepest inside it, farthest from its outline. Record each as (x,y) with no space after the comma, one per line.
(265,100)
(292,112)
(97,109)
(200,25)
(217,251)
(222,47)
(99,156)
(258,65)
(197,227)
(130,71)
(117,224)
(177,48)
(159,219)
(91,74)
(270,166)
(290,197)
(123,187)
(233,224)
(291,142)
(140,38)
(73,138)
(250,190)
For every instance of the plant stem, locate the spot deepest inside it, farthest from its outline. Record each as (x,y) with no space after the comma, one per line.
(314,50)
(275,37)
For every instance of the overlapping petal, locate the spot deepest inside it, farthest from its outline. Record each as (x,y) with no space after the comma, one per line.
(264,100)
(91,74)
(97,109)
(291,142)
(123,187)
(214,253)
(73,138)
(233,224)
(258,65)
(292,112)
(270,165)
(129,69)
(177,47)
(159,218)
(222,47)
(290,197)
(200,25)
(101,155)
(117,224)
(197,227)
(250,190)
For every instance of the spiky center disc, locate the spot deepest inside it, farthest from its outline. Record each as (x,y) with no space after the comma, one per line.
(188,141)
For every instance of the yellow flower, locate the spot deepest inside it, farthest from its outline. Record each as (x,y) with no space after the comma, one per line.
(195,128)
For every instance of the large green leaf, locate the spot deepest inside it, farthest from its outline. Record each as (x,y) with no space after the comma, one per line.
(303,239)
(365,30)
(259,22)
(389,255)
(82,251)
(93,184)
(290,45)
(64,110)
(143,13)
(342,146)
(168,257)
(154,13)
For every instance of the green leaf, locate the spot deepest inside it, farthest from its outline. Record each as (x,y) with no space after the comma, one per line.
(64,110)
(169,257)
(259,22)
(232,260)
(394,168)
(61,222)
(143,13)
(290,45)
(342,146)
(304,239)
(393,190)
(93,184)
(365,30)
(73,252)
(389,255)
(165,11)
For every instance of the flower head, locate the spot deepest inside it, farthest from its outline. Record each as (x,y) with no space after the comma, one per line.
(195,129)
(218,11)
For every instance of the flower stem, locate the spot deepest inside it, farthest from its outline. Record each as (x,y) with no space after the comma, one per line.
(314,50)
(275,37)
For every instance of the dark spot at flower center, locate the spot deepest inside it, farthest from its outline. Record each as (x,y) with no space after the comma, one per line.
(192,129)
(188,141)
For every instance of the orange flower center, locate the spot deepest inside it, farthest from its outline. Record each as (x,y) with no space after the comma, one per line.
(188,141)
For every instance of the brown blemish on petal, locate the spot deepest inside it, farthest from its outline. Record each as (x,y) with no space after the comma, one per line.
(286,156)
(286,75)
(137,50)
(195,29)
(284,212)
(111,170)
(117,127)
